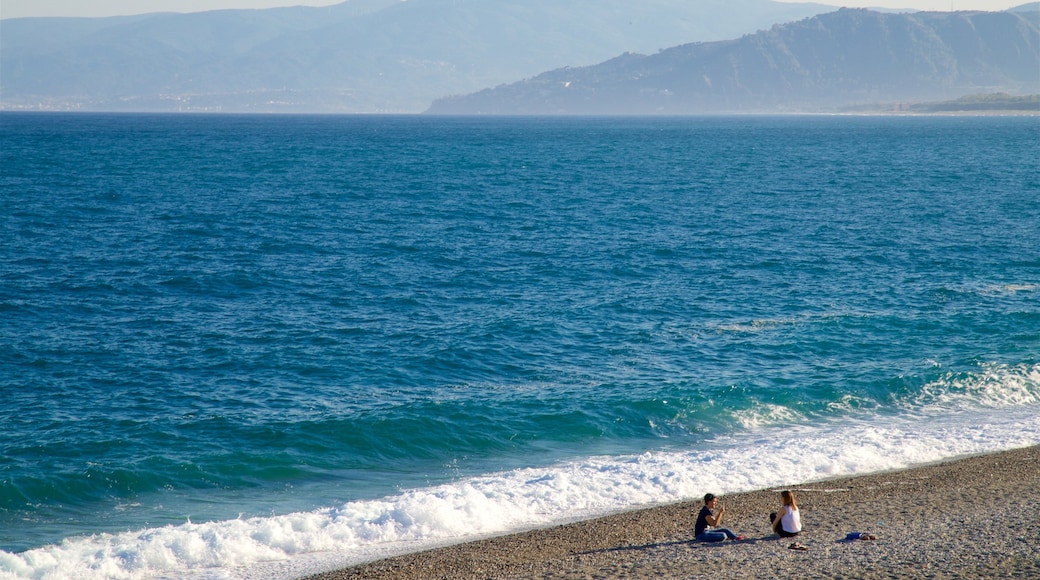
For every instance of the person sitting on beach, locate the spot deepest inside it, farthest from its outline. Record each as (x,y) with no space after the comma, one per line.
(707,529)
(787,522)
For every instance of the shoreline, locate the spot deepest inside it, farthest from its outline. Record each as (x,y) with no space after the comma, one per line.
(977,516)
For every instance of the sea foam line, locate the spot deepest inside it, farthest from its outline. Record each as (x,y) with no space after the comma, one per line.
(292,545)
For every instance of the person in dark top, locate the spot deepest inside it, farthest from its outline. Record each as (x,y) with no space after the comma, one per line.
(707,528)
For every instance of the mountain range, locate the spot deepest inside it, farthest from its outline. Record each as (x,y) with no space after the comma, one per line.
(399,56)
(827,63)
(359,56)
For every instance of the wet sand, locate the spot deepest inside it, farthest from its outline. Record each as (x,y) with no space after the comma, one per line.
(977,517)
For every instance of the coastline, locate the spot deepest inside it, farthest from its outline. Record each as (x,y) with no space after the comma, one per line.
(971,517)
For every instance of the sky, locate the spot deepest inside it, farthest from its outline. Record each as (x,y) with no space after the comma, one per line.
(96,8)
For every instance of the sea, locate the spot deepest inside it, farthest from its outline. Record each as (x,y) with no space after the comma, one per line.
(264,346)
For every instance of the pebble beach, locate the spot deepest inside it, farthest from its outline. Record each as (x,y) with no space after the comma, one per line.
(974,517)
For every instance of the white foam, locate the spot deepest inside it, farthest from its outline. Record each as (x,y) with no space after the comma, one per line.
(994,386)
(293,545)
(765,414)
(1003,289)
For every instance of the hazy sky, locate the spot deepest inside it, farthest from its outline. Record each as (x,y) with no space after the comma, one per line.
(21,8)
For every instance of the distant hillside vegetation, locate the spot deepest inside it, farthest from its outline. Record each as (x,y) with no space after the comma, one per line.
(824,63)
(995,102)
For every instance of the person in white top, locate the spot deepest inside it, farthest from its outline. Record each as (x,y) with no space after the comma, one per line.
(788,521)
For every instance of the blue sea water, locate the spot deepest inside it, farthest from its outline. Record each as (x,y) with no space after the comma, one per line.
(264,346)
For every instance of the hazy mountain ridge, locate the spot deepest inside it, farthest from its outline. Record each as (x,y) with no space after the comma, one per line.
(358,56)
(996,102)
(827,62)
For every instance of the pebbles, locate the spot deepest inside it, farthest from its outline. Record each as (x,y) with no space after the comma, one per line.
(977,517)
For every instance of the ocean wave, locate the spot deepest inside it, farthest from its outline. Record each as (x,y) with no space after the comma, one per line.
(992,386)
(765,414)
(525,499)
